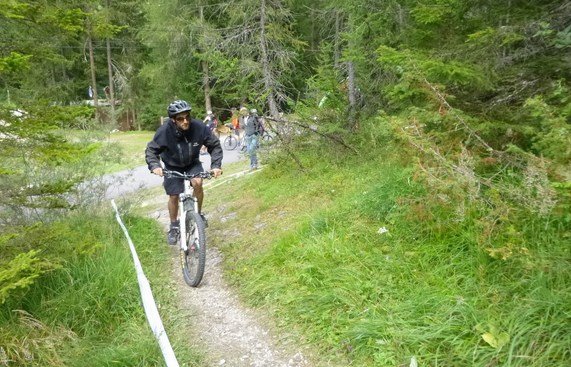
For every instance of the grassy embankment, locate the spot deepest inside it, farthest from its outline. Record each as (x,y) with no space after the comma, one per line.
(309,247)
(72,298)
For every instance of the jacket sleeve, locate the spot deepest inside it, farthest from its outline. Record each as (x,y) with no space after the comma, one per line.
(212,144)
(152,153)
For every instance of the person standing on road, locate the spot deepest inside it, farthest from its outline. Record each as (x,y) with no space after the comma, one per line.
(242,116)
(212,122)
(234,119)
(177,144)
(252,131)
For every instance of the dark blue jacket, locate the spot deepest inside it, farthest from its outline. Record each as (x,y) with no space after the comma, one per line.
(178,148)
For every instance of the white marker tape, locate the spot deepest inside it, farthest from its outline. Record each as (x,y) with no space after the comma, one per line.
(149,305)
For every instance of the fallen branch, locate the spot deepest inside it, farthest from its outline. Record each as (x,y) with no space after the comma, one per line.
(285,146)
(314,130)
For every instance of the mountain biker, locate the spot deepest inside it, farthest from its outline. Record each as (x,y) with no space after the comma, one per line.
(252,132)
(177,144)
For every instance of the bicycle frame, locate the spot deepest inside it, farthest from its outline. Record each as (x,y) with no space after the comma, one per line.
(192,240)
(237,136)
(184,207)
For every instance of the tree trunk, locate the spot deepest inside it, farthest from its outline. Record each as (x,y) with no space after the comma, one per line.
(93,78)
(205,74)
(268,78)
(111,87)
(337,40)
(206,86)
(135,119)
(351,93)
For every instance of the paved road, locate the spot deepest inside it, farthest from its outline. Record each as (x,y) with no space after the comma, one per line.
(124,182)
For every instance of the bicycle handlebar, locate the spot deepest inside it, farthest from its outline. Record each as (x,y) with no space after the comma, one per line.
(187,176)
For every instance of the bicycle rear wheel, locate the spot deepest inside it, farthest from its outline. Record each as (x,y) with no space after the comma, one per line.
(194,258)
(230,143)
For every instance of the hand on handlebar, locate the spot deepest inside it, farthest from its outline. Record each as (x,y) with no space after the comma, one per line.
(158,171)
(216,172)
(188,176)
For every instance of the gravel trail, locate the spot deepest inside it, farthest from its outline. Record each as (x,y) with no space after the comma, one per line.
(231,334)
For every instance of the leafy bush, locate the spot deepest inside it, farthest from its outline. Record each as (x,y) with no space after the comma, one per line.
(70,117)
(553,137)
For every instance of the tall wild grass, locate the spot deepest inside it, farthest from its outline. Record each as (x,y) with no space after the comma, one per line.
(376,269)
(86,310)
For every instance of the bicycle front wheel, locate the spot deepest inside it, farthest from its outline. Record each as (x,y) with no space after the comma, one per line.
(230,143)
(194,258)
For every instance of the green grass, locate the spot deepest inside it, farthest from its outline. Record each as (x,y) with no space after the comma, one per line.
(132,145)
(118,151)
(304,245)
(89,311)
(306,248)
(125,150)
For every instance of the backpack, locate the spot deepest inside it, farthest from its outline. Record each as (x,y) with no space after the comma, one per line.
(261,128)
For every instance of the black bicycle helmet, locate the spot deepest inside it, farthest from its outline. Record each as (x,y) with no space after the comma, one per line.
(177,107)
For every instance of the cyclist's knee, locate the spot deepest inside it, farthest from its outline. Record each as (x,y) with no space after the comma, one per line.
(196,183)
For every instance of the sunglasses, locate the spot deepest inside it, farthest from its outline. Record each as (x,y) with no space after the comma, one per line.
(182,118)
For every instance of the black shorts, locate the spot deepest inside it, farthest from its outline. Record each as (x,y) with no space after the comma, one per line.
(175,186)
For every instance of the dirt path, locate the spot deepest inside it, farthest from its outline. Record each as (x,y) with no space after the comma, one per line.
(232,335)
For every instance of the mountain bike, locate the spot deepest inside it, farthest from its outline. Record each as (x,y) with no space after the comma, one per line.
(192,236)
(234,140)
(230,142)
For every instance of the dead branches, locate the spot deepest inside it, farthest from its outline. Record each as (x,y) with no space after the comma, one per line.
(313,129)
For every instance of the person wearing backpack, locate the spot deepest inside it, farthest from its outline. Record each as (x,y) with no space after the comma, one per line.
(252,134)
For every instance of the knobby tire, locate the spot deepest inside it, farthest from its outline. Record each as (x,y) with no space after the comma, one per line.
(230,143)
(194,259)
